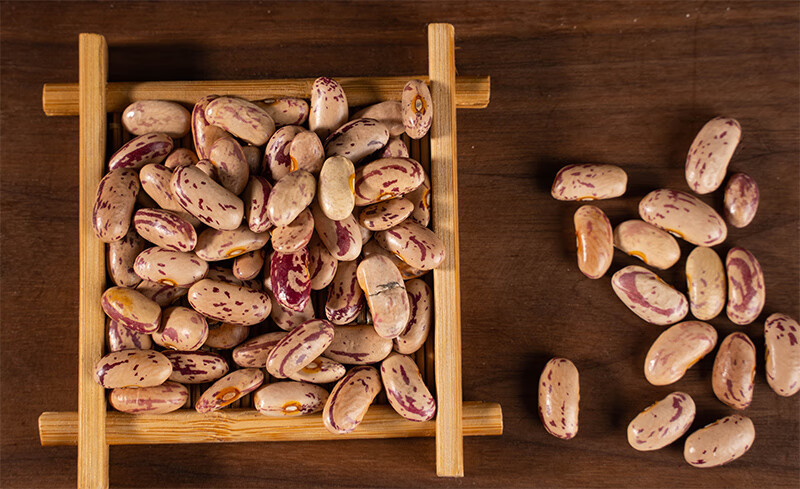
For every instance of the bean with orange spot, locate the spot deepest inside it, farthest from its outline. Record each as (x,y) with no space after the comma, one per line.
(170,267)
(290,399)
(417,109)
(229,389)
(648,243)
(676,350)
(216,245)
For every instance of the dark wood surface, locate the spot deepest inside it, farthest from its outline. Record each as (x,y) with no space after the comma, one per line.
(620,82)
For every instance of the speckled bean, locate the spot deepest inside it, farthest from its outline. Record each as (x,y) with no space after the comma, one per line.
(249,265)
(131,309)
(289,398)
(113,204)
(559,398)
(155,179)
(405,389)
(120,257)
(710,154)
(345,298)
(782,354)
(290,195)
(147,116)
(196,367)
(386,178)
(255,197)
(662,423)
(253,353)
(406,271)
(229,389)
(118,337)
(159,399)
(336,194)
(386,295)
(228,158)
(322,265)
(342,238)
(389,113)
(417,109)
(132,368)
(720,442)
(421,198)
(420,297)
(306,152)
(741,200)
(203,133)
(358,344)
(676,350)
(357,139)
(205,199)
(350,399)
(181,329)
(328,107)
(589,182)
(416,245)
(161,294)
(291,283)
(170,267)
(395,148)
(385,214)
(165,229)
(216,245)
(229,303)
(180,157)
(149,148)
(295,235)
(299,348)
(595,241)
(746,288)
(648,296)
(650,244)
(224,336)
(320,371)
(277,154)
(705,279)
(684,215)
(735,371)
(243,119)
(286,111)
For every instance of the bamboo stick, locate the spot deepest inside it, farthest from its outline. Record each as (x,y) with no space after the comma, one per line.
(62,98)
(446,283)
(246,425)
(92,448)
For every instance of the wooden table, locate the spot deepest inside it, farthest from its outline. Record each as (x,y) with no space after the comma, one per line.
(628,83)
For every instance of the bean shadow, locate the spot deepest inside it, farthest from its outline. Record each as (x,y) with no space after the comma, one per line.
(529,380)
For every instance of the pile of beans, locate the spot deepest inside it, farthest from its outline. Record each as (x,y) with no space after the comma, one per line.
(665,213)
(237,229)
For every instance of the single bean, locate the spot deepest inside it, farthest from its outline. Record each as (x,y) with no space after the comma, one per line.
(204,133)
(322,265)
(277,155)
(131,309)
(295,235)
(320,371)
(215,245)
(358,345)
(421,198)
(205,199)
(559,398)
(306,152)
(243,119)
(342,238)
(249,265)
(181,329)
(165,229)
(290,195)
(228,389)
(256,196)
(417,110)
(386,178)
(119,338)
(161,294)
(336,194)
(589,182)
(385,214)
(735,371)
(224,336)
(328,107)
(228,158)
(299,348)
(147,116)
(229,303)
(113,204)
(290,399)
(357,139)
(720,442)
(196,367)
(350,399)
(649,297)
(782,354)
(291,283)
(345,299)
(741,200)
(120,257)
(650,244)
(662,423)
(710,154)
(595,241)
(405,389)
(253,353)
(676,350)
(389,113)
(180,157)
(170,267)
(286,111)
(416,245)
(386,295)
(683,215)
(159,399)
(132,368)
(413,337)
(746,289)
(149,148)
(705,279)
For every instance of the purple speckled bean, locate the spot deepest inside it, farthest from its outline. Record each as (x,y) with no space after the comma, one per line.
(385,214)
(413,337)
(781,334)
(405,388)
(408,272)
(149,148)
(720,442)
(119,337)
(683,215)
(131,309)
(595,241)
(254,156)
(395,148)
(559,398)
(291,282)
(336,194)
(390,113)
(357,139)
(205,199)
(322,265)
(277,157)
(650,244)
(421,198)
(676,350)
(386,178)
(253,353)
(328,107)
(417,109)
(170,267)
(203,133)
(741,200)
(306,152)
(132,368)
(231,164)
(165,229)
(710,154)
(180,157)
(705,279)
(290,195)
(386,295)
(589,182)
(256,196)
(249,265)
(295,235)
(418,246)
(120,257)
(216,245)
(225,336)
(148,116)
(358,344)
(281,399)
(181,329)
(350,399)
(342,238)
(155,180)
(286,111)
(299,348)
(159,399)
(648,296)
(662,423)
(345,298)
(320,371)
(229,389)
(196,367)
(113,204)
(229,303)
(161,294)
(746,289)
(734,371)
(243,119)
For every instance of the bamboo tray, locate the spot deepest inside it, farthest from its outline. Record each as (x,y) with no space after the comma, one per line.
(93,428)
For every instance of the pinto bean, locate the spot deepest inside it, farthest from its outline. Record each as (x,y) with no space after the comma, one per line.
(300,347)
(113,204)
(291,283)
(290,195)
(322,265)
(286,111)
(254,352)
(290,399)
(170,267)
(342,238)
(683,215)
(132,368)
(782,354)
(589,182)
(328,107)
(204,133)
(705,279)
(559,398)
(405,389)
(350,399)
(165,229)
(320,371)
(224,336)
(118,338)
(216,245)
(242,118)
(159,399)
(710,153)
(228,389)
(385,214)
(746,288)
(389,113)
(720,442)
(413,337)
(205,199)
(229,303)
(386,178)
(735,371)
(649,297)
(676,350)
(336,194)
(249,265)
(147,116)
(650,244)
(180,157)
(417,110)
(595,241)
(149,148)
(295,235)
(358,345)
(181,329)
(196,367)
(155,179)
(256,196)
(231,164)
(662,423)
(416,245)
(345,298)
(386,295)
(131,309)
(120,257)
(357,139)
(741,200)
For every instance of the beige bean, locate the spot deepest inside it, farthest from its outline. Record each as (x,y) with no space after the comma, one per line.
(589,182)
(229,303)
(181,329)
(662,423)
(287,319)
(161,294)
(320,371)
(385,214)
(249,265)
(595,241)
(413,337)
(256,196)
(132,368)
(649,297)
(350,399)
(406,271)
(155,179)
(229,389)
(120,257)
(421,198)
(113,204)
(149,148)
(216,245)
(705,279)
(386,178)
(710,153)
(254,157)
(277,154)
(386,295)
(357,139)
(720,442)
(417,109)
(225,336)
(416,245)
(298,348)
(342,238)
(322,265)
(306,152)
(146,116)
(328,107)
(295,235)
(345,298)
(131,309)
(389,113)
(358,345)
(231,164)
(650,244)
(683,215)
(289,279)
(180,157)
(735,371)
(253,353)
(559,398)
(746,288)
(165,229)
(405,389)
(205,199)
(243,119)
(203,133)
(170,267)
(336,194)
(118,337)
(159,399)
(286,111)
(782,354)
(290,195)
(741,200)
(281,399)
(676,350)
(196,367)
